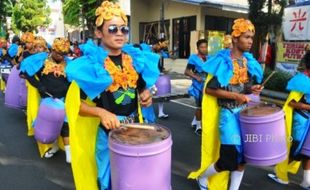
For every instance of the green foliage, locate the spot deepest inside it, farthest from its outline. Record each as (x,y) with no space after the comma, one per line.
(278,82)
(262,19)
(6,7)
(28,15)
(75,10)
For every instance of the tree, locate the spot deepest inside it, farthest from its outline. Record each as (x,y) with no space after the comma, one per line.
(266,22)
(6,7)
(76,11)
(28,15)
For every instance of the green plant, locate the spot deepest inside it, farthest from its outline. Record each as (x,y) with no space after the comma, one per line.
(278,82)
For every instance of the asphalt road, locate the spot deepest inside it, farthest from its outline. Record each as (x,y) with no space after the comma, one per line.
(21,168)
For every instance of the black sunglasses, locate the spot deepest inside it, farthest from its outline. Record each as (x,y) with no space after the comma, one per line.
(113,29)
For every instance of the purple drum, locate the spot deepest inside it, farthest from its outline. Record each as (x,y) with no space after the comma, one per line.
(49,121)
(163,85)
(143,156)
(23,93)
(263,135)
(16,92)
(255,100)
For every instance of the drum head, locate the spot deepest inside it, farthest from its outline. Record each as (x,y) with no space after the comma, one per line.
(136,136)
(262,109)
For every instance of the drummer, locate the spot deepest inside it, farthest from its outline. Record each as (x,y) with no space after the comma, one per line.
(297,107)
(3,49)
(27,40)
(50,70)
(116,77)
(40,44)
(194,71)
(234,72)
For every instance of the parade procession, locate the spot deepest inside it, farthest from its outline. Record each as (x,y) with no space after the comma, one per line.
(154,95)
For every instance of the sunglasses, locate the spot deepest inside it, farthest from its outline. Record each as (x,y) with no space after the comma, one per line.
(113,29)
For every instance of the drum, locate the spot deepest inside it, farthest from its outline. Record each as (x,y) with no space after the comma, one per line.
(163,85)
(263,135)
(141,158)
(16,91)
(49,121)
(255,100)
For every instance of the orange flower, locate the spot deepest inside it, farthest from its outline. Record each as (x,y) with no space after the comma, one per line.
(61,45)
(107,11)
(122,78)
(27,37)
(51,67)
(240,74)
(242,25)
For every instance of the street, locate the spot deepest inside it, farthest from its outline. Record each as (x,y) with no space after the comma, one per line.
(21,167)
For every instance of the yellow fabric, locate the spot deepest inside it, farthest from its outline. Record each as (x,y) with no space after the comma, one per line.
(2,85)
(284,167)
(33,103)
(210,145)
(83,133)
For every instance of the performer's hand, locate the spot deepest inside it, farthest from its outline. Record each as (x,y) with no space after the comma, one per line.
(145,98)
(257,89)
(108,119)
(198,78)
(241,98)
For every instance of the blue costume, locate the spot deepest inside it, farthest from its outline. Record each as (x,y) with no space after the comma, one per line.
(94,80)
(300,83)
(221,67)
(195,90)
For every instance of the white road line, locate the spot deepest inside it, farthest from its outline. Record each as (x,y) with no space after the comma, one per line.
(183,104)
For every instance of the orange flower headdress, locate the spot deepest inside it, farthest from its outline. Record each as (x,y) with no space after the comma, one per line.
(40,41)
(28,37)
(227,41)
(2,40)
(107,11)
(242,25)
(61,45)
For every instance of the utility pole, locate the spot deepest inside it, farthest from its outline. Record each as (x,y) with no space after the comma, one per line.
(162,21)
(83,23)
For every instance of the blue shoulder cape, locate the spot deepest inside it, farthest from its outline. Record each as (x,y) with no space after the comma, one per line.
(32,64)
(195,60)
(221,66)
(92,78)
(300,83)
(13,50)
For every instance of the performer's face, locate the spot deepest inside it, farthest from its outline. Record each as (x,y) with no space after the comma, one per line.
(58,57)
(203,48)
(29,45)
(245,41)
(39,48)
(113,33)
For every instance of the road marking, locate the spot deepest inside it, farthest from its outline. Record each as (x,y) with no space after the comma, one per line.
(183,104)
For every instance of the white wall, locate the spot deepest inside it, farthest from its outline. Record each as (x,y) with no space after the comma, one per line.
(57,27)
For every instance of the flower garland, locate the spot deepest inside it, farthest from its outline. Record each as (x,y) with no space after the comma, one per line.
(240,74)
(51,67)
(122,77)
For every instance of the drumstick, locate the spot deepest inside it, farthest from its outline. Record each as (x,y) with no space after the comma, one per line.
(137,126)
(49,94)
(268,78)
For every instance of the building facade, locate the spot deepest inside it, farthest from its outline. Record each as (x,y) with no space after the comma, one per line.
(181,17)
